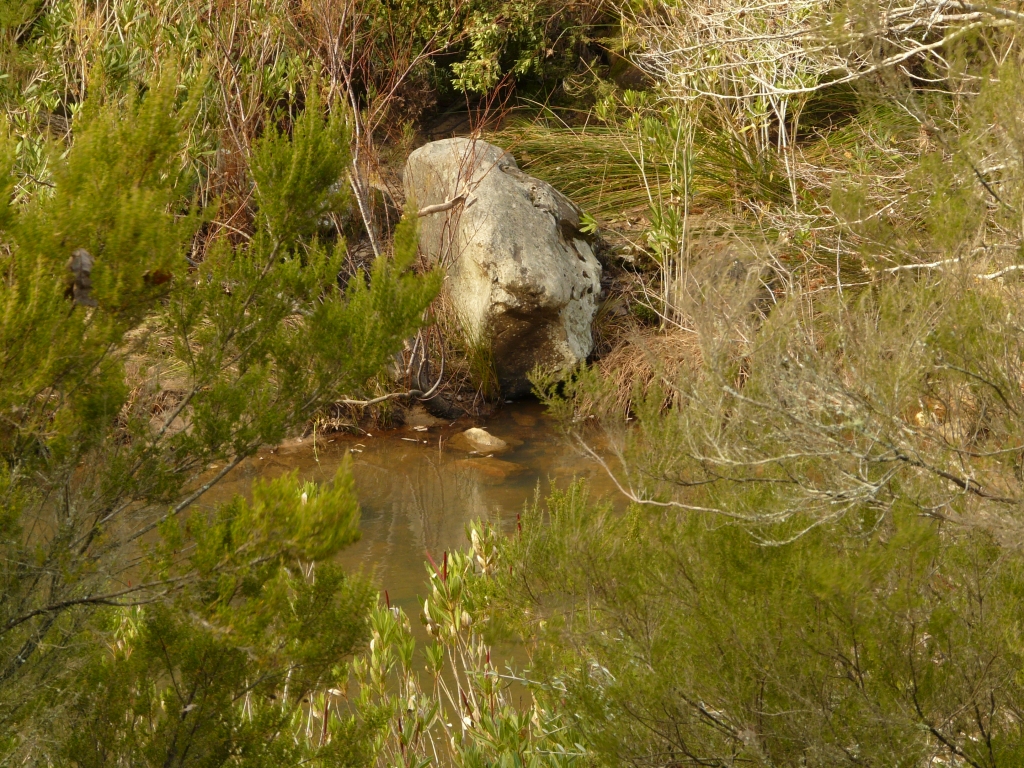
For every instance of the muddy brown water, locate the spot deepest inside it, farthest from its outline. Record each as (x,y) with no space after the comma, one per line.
(417,494)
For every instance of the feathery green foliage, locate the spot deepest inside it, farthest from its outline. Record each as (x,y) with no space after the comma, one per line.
(223,672)
(681,640)
(822,563)
(453,706)
(128,390)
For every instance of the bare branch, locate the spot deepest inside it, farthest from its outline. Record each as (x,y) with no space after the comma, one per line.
(441,207)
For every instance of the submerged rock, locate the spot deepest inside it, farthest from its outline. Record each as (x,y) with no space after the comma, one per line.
(419,416)
(491,469)
(522,277)
(524,419)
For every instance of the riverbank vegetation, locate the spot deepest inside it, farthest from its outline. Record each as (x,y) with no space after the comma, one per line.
(807,384)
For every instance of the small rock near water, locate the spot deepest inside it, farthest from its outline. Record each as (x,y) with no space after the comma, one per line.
(479,440)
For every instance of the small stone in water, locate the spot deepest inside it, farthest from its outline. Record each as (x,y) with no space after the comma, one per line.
(475,439)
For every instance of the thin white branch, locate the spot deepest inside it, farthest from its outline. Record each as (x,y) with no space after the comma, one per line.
(1001,272)
(441,207)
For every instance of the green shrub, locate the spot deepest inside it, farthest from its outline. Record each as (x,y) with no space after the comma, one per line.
(132,380)
(681,640)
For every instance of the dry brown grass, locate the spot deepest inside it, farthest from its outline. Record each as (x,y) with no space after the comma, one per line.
(470,378)
(645,357)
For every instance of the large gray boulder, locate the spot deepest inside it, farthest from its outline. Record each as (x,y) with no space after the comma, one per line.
(520,274)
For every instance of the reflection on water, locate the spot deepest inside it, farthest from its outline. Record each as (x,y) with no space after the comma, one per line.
(417,494)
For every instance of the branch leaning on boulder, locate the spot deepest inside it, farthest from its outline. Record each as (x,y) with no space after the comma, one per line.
(447,205)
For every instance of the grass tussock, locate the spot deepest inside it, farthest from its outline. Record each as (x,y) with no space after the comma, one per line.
(646,358)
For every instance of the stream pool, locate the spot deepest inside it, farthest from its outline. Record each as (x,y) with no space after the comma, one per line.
(417,493)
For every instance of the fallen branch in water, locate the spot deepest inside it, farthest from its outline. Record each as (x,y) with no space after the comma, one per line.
(417,393)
